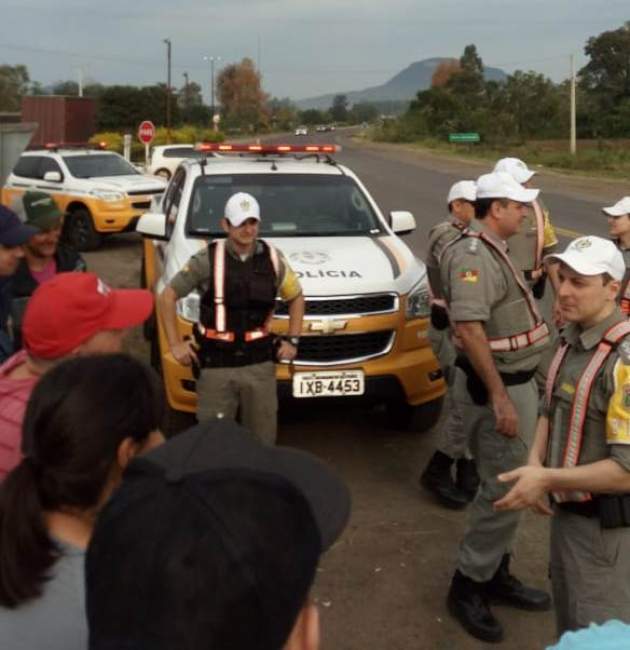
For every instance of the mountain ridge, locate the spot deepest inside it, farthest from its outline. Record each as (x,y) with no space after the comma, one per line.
(403,86)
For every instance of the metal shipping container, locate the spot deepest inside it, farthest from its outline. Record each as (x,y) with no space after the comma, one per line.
(60,118)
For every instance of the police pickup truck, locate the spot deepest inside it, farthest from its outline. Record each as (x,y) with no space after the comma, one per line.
(367,302)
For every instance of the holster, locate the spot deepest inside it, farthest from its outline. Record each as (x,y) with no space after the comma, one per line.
(475,387)
(613,510)
(538,289)
(439,317)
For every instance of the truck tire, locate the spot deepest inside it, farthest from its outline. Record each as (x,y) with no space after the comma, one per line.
(79,231)
(164,173)
(401,416)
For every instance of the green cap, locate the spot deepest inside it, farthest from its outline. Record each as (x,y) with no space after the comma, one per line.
(37,209)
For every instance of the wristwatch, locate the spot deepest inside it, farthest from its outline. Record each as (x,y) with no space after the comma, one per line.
(293,340)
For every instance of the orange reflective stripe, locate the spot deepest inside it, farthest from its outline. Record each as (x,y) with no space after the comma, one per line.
(219,286)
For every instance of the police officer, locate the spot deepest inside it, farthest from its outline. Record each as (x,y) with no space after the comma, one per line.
(239,278)
(453,441)
(619,229)
(501,334)
(581,453)
(536,238)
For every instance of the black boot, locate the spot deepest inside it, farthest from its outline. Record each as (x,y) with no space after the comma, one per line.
(438,480)
(467,478)
(468,603)
(504,588)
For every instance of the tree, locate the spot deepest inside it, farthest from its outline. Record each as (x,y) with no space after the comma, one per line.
(362,112)
(444,71)
(339,108)
(14,84)
(313,116)
(283,113)
(242,99)
(67,87)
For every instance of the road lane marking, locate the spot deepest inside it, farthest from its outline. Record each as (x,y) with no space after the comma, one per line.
(566,232)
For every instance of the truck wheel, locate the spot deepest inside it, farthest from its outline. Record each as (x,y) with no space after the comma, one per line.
(164,173)
(401,416)
(80,232)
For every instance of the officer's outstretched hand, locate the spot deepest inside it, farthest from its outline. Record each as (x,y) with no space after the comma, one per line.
(505,415)
(529,491)
(184,352)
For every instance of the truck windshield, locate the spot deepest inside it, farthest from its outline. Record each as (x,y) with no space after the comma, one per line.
(304,205)
(98,164)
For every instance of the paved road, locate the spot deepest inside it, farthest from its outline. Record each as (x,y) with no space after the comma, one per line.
(382,587)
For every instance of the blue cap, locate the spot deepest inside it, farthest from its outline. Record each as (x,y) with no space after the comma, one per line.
(12,231)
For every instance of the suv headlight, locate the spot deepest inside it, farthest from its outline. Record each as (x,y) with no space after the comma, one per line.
(188,307)
(418,302)
(110,197)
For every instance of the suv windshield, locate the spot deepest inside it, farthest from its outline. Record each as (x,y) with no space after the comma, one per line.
(290,204)
(103,164)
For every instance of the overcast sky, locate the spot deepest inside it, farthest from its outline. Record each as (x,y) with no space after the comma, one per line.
(305,47)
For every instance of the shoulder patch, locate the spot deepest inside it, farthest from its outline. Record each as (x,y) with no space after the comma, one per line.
(618,415)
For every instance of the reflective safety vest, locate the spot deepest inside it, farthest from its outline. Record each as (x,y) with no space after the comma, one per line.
(579,406)
(624,303)
(239,303)
(540,331)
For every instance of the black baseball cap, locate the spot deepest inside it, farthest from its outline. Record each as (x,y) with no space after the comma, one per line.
(211,541)
(12,231)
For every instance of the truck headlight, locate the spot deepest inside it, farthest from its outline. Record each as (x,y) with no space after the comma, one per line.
(108,196)
(188,307)
(418,302)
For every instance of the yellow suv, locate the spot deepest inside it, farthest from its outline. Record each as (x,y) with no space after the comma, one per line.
(365,328)
(99,191)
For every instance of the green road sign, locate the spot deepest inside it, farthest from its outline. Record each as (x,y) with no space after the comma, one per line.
(463,137)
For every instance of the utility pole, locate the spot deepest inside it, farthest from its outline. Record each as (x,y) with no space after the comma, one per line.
(212,60)
(573,147)
(186,97)
(168,90)
(80,70)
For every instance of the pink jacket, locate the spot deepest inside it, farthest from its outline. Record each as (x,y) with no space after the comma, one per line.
(14,394)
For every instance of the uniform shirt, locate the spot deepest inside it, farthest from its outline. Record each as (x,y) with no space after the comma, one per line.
(439,237)
(479,286)
(196,274)
(523,244)
(606,432)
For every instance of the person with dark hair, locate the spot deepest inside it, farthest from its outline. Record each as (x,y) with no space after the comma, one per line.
(501,336)
(213,541)
(44,256)
(86,419)
(71,314)
(13,235)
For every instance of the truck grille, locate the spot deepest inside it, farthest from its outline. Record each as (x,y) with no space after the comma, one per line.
(342,348)
(141,205)
(355,305)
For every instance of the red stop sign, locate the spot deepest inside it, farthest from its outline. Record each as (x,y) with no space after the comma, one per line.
(146,132)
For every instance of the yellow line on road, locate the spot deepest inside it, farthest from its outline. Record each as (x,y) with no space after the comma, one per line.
(565,232)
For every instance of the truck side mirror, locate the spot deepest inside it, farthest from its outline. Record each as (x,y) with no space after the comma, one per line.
(402,222)
(152,225)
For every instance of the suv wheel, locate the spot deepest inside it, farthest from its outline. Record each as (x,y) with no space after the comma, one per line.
(164,173)
(401,416)
(80,232)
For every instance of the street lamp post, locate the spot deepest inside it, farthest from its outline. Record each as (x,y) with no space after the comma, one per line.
(168,90)
(212,60)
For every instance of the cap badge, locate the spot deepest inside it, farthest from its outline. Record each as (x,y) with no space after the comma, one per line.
(245,205)
(583,243)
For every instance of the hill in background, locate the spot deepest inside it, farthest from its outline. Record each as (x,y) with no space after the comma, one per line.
(401,87)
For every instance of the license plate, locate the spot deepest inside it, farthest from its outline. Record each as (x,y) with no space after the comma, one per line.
(328,384)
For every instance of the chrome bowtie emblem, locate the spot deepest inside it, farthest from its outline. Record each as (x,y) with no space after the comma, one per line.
(327,326)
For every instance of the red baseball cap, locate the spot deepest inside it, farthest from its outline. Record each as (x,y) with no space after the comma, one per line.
(70,308)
